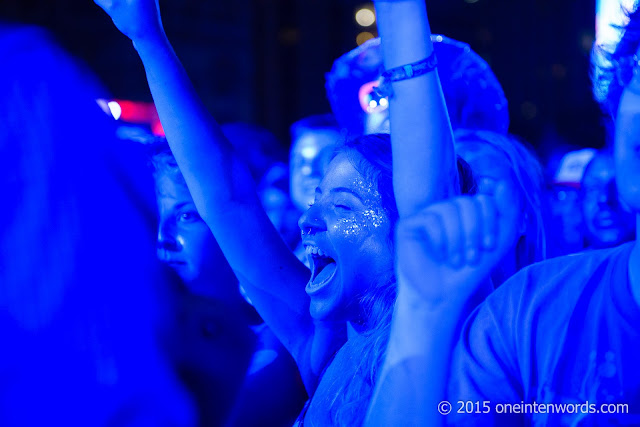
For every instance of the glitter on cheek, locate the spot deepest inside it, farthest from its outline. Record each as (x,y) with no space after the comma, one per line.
(374,217)
(361,224)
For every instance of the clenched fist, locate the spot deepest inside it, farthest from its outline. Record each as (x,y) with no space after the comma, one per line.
(448,249)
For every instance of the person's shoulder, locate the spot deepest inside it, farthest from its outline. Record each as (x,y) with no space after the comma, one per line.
(556,280)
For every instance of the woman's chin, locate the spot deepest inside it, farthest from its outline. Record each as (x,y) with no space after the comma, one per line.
(323,310)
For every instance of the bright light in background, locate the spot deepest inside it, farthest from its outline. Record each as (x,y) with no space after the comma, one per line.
(365,17)
(363,37)
(309,152)
(116,110)
(610,12)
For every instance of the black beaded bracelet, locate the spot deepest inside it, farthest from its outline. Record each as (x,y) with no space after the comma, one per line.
(405,72)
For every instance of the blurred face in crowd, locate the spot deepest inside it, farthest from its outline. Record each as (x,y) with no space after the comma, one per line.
(490,166)
(606,222)
(627,148)
(310,155)
(185,243)
(346,236)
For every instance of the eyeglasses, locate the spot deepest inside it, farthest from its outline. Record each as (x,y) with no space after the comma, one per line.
(370,101)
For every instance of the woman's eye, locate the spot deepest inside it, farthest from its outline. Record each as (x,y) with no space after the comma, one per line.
(188,217)
(343,207)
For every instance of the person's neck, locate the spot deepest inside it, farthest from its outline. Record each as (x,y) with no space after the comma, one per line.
(634,264)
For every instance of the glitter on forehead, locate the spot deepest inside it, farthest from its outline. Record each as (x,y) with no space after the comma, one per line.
(367,190)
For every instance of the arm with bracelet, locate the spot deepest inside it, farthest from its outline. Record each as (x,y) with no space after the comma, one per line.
(444,242)
(424,162)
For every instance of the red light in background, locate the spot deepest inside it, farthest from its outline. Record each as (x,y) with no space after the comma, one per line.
(141,113)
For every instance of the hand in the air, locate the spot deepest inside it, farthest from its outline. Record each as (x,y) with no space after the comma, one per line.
(448,249)
(137,19)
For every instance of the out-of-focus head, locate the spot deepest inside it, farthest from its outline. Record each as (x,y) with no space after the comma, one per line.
(313,141)
(616,85)
(258,147)
(267,161)
(607,222)
(185,242)
(79,282)
(564,171)
(474,97)
(494,158)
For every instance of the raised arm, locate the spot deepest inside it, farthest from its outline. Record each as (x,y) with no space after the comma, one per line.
(436,293)
(446,246)
(424,163)
(220,184)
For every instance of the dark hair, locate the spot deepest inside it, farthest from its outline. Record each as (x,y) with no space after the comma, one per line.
(612,65)
(256,146)
(315,122)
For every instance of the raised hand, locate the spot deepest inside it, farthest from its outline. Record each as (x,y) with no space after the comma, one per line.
(448,249)
(137,19)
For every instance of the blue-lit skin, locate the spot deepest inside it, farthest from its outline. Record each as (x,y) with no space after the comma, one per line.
(347,223)
(490,168)
(310,155)
(186,244)
(224,193)
(606,221)
(377,122)
(627,165)
(627,149)
(225,196)
(444,244)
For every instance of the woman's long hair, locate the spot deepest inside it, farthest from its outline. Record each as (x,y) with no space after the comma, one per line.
(350,403)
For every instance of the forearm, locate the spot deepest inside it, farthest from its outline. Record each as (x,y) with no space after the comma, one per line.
(424,165)
(224,193)
(206,158)
(414,377)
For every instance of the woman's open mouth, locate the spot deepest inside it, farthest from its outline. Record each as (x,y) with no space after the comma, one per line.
(323,268)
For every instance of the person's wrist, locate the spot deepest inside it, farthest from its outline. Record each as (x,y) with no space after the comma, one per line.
(435,303)
(149,39)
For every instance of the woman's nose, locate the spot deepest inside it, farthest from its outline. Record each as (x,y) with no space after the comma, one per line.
(311,221)
(166,236)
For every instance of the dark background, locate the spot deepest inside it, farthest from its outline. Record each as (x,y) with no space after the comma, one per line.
(263,61)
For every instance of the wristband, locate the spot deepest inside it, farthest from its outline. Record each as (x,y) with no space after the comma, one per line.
(405,72)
